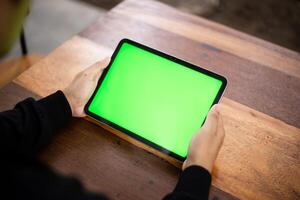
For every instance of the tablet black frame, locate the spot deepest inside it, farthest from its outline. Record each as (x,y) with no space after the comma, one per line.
(169,57)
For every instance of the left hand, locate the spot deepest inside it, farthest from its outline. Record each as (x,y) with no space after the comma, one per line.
(207,142)
(82,87)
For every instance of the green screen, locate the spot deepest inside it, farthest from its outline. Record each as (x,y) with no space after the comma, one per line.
(155,98)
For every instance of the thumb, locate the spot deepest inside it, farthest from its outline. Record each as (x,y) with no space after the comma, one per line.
(98,67)
(104,62)
(212,119)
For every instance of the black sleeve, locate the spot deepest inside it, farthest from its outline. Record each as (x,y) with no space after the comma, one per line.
(193,184)
(24,131)
(30,125)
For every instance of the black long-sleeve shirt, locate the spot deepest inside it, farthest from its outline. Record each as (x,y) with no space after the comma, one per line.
(29,127)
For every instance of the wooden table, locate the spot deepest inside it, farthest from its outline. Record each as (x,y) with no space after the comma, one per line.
(260,158)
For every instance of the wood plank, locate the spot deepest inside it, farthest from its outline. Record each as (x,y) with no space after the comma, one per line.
(156,8)
(94,155)
(226,42)
(11,94)
(260,157)
(10,69)
(250,83)
(83,54)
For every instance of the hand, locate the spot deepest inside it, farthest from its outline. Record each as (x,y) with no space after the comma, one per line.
(82,87)
(205,145)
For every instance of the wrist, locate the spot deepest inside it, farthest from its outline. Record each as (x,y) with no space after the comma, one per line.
(70,100)
(192,162)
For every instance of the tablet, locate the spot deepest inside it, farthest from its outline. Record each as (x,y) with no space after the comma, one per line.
(153,97)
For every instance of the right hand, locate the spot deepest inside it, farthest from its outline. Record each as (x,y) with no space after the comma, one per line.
(206,143)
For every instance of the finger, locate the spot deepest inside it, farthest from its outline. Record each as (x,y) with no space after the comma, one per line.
(104,63)
(98,67)
(211,122)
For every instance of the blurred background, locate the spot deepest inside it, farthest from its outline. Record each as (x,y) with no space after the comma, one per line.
(50,23)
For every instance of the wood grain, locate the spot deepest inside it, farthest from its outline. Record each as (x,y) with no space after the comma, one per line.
(260,157)
(55,75)
(10,69)
(159,9)
(11,94)
(251,83)
(233,45)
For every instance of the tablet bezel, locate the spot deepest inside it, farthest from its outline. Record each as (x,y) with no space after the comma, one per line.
(164,55)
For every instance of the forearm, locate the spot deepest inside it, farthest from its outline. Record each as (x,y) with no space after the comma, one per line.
(193,184)
(31,124)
